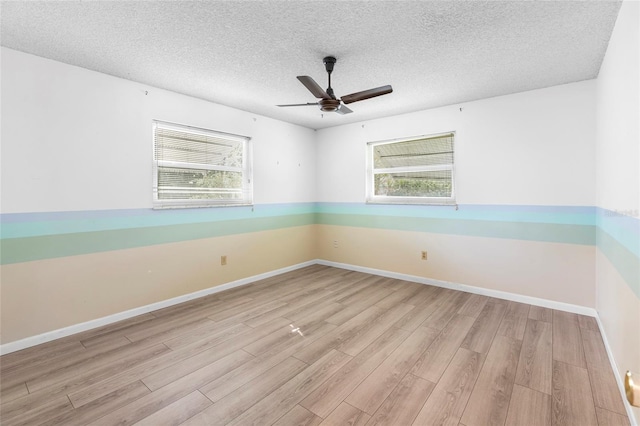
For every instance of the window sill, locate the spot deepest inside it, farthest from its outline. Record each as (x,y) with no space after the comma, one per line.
(199,206)
(414,202)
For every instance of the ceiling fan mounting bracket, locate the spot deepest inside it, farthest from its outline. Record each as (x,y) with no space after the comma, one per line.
(329,62)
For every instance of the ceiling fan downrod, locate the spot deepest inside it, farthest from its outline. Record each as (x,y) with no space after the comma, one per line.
(329,62)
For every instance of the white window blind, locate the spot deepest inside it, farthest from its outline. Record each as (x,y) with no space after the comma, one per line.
(197,167)
(411,171)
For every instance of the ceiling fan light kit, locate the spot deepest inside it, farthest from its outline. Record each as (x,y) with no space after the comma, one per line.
(328,101)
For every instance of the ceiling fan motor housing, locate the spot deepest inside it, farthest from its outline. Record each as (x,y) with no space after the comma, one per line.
(329,104)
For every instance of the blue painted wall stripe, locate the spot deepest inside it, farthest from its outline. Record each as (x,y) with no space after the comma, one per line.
(31,236)
(22,225)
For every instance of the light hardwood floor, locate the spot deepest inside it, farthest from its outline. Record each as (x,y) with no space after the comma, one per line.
(322,346)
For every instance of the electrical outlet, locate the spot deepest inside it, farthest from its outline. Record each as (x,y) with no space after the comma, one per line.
(223,260)
(424,255)
(335,243)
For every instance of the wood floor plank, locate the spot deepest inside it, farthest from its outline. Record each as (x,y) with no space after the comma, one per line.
(341,334)
(594,350)
(489,401)
(305,311)
(100,388)
(328,396)
(240,400)
(209,332)
(288,336)
(350,284)
(13,392)
(31,357)
(40,414)
(92,370)
(293,308)
(106,342)
(367,295)
(451,303)
(588,323)
(399,296)
(426,294)
(605,390)
(155,401)
(37,414)
(418,316)
(436,358)
(474,305)
(167,375)
(244,310)
(529,407)
(41,367)
(101,406)
(306,294)
(572,399)
(354,308)
(298,416)
(283,399)
(165,324)
(346,414)
(567,341)
(177,412)
(231,381)
(179,330)
(249,314)
(535,366)
(485,327)
(30,402)
(372,392)
(514,321)
(539,313)
(608,418)
(374,329)
(403,404)
(448,399)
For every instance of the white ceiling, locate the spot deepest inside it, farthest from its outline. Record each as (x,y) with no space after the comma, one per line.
(246,54)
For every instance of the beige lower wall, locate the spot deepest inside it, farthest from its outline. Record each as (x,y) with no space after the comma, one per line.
(46,295)
(553,271)
(619,311)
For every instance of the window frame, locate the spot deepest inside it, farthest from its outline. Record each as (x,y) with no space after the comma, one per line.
(246,169)
(370,196)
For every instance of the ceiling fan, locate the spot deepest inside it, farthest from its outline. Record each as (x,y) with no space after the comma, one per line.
(328,101)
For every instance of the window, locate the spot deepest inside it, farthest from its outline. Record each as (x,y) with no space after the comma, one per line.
(411,171)
(196,167)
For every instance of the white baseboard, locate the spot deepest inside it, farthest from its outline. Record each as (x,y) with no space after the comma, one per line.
(552,304)
(110,319)
(616,373)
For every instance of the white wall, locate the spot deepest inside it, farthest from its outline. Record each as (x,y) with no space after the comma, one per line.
(618,93)
(74,139)
(618,184)
(531,148)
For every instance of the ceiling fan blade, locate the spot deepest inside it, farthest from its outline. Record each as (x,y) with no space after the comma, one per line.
(307,104)
(313,87)
(367,94)
(342,109)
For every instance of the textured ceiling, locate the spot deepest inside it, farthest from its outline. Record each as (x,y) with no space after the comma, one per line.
(247,54)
